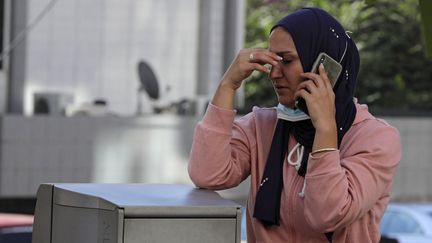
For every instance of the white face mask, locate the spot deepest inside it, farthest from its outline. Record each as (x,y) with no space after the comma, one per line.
(288,114)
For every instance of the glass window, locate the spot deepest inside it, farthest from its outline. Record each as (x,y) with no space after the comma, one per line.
(399,222)
(385,221)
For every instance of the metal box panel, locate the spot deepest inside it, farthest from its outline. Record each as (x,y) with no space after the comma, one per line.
(86,225)
(180,230)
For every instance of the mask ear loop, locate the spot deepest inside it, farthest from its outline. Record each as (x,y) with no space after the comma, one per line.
(346,45)
(343,55)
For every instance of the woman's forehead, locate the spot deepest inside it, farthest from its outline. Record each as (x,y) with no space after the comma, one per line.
(281,41)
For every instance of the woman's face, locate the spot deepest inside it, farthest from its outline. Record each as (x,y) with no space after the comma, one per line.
(286,75)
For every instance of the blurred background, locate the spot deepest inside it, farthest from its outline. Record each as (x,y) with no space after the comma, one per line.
(110,91)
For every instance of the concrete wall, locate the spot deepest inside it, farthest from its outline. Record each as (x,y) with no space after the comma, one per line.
(152,149)
(413,180)
(34,150)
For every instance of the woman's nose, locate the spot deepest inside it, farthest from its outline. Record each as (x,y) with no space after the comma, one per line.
(275,72)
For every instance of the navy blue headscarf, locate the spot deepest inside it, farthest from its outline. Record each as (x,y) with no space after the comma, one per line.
(313,31)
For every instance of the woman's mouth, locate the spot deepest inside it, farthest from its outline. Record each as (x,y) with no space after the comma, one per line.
(280,87)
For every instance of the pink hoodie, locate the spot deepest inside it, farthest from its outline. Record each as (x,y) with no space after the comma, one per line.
(346,190)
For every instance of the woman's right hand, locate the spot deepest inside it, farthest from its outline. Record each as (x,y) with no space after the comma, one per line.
(246,61)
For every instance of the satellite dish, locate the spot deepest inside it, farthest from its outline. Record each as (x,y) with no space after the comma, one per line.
(148,80)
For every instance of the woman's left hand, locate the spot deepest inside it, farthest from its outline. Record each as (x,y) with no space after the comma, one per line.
(318,93)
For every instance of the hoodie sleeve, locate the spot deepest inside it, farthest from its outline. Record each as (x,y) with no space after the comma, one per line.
(221,149)
(341,188)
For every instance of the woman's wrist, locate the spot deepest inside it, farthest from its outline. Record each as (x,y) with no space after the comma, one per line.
(227,85)
(224,96)
(326,129)
(325,137)
(325,123)
(323,150)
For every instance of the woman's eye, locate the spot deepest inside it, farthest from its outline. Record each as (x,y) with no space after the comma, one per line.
(286,61)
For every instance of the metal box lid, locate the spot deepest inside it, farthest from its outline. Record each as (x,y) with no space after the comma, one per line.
(146,200)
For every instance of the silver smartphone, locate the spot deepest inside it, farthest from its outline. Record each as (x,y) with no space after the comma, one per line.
(331,66)
(333,70)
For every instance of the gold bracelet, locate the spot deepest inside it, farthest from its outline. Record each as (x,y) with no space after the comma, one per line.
(323,150)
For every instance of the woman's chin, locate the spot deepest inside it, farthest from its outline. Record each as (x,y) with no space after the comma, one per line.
(287,102)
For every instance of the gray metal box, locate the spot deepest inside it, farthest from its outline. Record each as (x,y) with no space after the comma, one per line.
(133,213)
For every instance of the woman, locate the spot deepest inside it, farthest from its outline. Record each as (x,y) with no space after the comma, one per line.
(317,178)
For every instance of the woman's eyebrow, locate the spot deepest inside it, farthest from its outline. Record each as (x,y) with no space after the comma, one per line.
(281,53)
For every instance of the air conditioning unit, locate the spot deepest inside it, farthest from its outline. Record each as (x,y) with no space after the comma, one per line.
(51,103)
